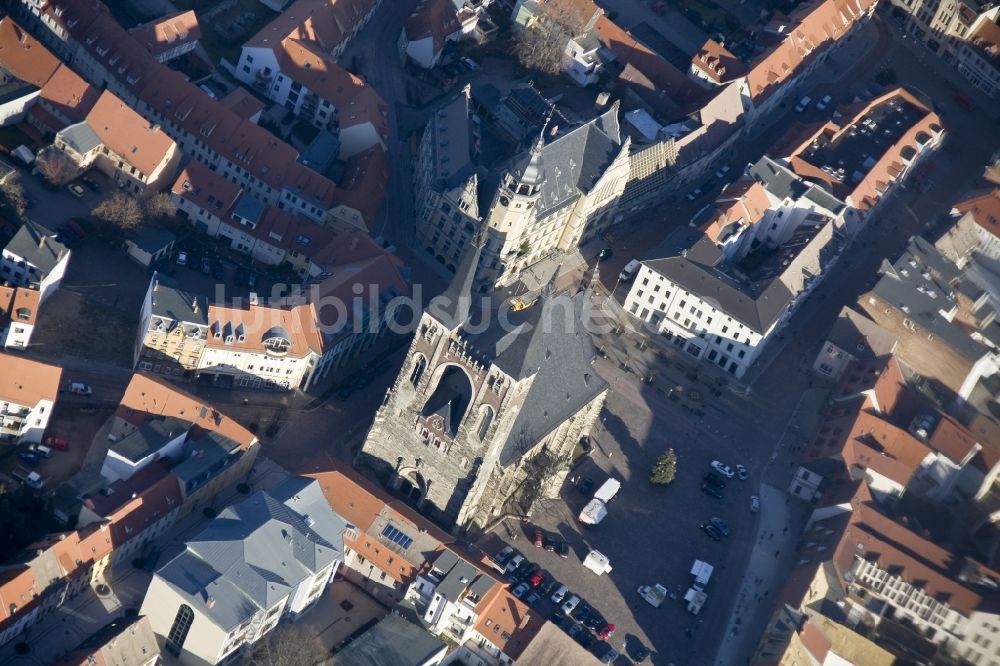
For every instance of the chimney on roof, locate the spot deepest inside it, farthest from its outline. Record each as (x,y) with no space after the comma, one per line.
(194,304)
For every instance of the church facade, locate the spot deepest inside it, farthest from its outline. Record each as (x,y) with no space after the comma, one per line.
(484,416)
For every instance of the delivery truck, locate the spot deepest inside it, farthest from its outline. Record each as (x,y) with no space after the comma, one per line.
(597,508)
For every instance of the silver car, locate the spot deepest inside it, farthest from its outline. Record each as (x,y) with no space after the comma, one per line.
(570,604)
(560,594)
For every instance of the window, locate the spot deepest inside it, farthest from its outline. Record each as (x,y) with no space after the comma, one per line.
(179,630)
(397,537)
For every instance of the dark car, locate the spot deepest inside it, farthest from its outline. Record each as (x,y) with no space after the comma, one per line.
(585,486)
(91,184)
(539,539)
(709,489)
(596,620)
(583,613)
(564,550)
(218,272)
(585,638)
(29,458)
(66,232)
(206,266)
(720,525)
(76,225)
(559,619)
(605,653)
(604,254)
(637,652)
(65,239)
(710,531)
(715,479)
(252,280)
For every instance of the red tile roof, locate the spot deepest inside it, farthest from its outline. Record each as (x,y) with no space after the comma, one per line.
(329,23)
(506,622)
(717,63)
(259,322)
(26,382)
(984,208)
(24,56)
(128,135)
(168,32)
(69,94)
(742,204)
(363,186)
(815,641)
(19,304)
(148,396)
(207,189)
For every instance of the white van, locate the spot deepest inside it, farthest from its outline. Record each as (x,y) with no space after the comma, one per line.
(631,268)
(803,104)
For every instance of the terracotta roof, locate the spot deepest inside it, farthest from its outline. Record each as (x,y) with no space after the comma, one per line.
(326,22)
(168,32)
(128,135)
(26,382)
(798,143)
(957,442)
(366,107)
(261,322)
(19,304)
(17,590)
(815,641)
(302,62)
(363,186)
(506,622)
(145,507)
(150,396)
(242,103)
(644,66)
(802,36)
(170,94)
(877,538)
(24,56)
(437,19)
(741,204)
(717,63)
(206,189)
(984,208)
(69,94)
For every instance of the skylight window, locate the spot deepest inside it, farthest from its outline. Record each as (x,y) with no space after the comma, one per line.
(397,537)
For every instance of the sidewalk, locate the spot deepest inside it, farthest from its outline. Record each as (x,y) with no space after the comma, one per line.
(83,615)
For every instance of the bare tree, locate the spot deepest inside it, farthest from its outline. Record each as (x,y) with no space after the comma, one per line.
(288,645)
(159,206)
(121,210)
(541,44)
(56,167)
(12,192)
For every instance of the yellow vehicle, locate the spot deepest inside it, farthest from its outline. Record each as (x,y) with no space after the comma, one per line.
(522,303)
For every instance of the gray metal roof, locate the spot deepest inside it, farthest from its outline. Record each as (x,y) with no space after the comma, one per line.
(860,336)
(204,456)
(549,343)
(394,641)
(691,260)
(152,239)
(81,137)
(778,180)
(576,160)
(150,437)
(177,305)
(452,307)
(921,285)
(249,208)
(821,197)
(255,552)
(37,246)
(458,575)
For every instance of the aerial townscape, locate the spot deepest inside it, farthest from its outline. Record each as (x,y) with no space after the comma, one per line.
(494,332)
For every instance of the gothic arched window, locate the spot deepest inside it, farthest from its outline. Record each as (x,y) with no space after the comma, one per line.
(179,629)
(418,370)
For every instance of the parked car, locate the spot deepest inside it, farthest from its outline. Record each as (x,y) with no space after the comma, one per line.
(564,550)
(75,190)
(532,598)
(605,653)
(710,531)
(583,612)
(559,594)
(823,103)
(714,479)
(709,489)
(694,194)
(803,104)
(570,604)
(504,555)
(91,183)
(585,639)
(182,258)
(520,590)
(536,579)
(539,539)
(586,486)
(79,388)
(741,472)
(57,443)
(41,450)
(637,652)
(29,458)
(596,620)
(550,545)
(76,225)
(723,469)
(604,254)
(723,170)
(514,563)
(754,503)
(606,631)
(720,525)
(206,266)
(194,261)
